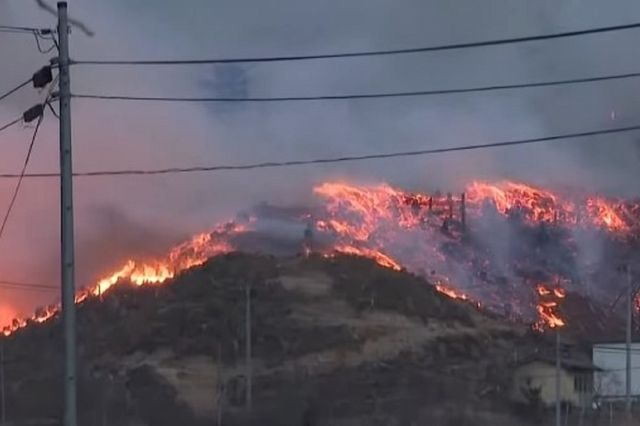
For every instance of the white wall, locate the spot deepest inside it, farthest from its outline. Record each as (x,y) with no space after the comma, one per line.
(611,357)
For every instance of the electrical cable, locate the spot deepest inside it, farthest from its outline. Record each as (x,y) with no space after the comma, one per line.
(23,29)
(16,190)
(278,164)
(436,48)
(40,49)
(9,31)
(48,102)
(15,89)
(13,285)
(361,96)
(38,33)
(12,123)
(53,111)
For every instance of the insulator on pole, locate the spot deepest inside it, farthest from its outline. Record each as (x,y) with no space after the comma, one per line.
(33,113)
(42,77)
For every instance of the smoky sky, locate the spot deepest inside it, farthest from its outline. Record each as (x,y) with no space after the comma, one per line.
(117,217)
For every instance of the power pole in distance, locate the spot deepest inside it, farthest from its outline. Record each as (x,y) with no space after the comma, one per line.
(66,216)
(558,355)
(628,342)
(3,404)
(249,372)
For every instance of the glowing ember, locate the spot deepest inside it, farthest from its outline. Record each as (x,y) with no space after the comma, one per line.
(380,258)
(560,293)
(604,215)
(451,292)
(548,316)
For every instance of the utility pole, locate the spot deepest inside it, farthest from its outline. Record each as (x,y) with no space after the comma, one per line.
(66,218)
(463,211)
(2,386)
(628,345)
(221,387)
(249,371)
(558,405)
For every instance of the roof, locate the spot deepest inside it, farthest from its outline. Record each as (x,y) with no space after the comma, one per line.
(569,364)
(617,344)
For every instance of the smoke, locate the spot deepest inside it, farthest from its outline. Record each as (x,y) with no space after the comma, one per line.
(140,135)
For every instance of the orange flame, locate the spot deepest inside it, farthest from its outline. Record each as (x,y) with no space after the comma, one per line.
(547,308)
(380,258)
(540,205)
(447,291)
(367,220)
(604,215)
(186,255)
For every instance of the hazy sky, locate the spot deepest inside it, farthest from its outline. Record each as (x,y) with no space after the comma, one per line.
(117,217)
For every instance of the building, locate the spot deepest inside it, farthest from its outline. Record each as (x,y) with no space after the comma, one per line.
(534,382)
(610,382)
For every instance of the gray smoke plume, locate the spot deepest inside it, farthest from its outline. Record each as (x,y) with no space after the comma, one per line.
(137,135)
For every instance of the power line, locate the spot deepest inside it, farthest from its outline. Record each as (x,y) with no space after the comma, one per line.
(10,31)
(38,33)
(12,28)
(21,176)
(12,123)
(51,38)
(495,42)
(39,80)
(361,96)
(14,285)
(53,111)
(277,164)
(15,89)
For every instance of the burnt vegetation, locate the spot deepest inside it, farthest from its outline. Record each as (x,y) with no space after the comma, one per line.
(334,341)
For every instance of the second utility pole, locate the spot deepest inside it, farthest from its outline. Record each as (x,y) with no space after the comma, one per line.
(628,343)
(66,219)
(248,356)
(3,404)
(558,364)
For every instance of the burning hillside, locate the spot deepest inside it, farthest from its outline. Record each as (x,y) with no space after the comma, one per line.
(505,246)
(327,332)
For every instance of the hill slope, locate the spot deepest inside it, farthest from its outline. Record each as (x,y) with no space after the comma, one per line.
(338,341)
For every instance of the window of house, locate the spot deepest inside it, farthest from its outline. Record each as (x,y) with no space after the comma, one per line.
(582,383)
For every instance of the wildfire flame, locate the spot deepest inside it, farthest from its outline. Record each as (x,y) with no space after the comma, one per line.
(447,291)
(548,307)
(186,255)
(373,221)
(380,258)
(540,205)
